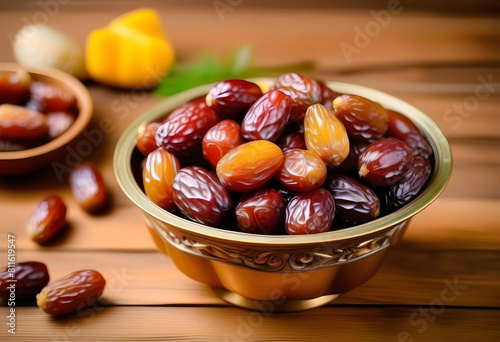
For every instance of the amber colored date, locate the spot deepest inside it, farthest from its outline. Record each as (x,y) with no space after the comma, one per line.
(14,87)
(385,161)
(249,166)
(30,278)
(220,139)
(355,203)
(71,293)
(310,212)
(363,119)
(48,219)
(88,188)
(403,128)
(146,141)
(267,118)
(303,92)
(301,170)
(261,213)
(58,123)
(231,99)
(183,132)
(46,98)
(20,124)
(325,135)
(199,195)
(409,186)
(158,176)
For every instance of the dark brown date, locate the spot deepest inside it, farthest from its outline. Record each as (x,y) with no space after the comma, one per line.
(220,139)
(403,128)
(363,119)
(47,220)
(385,161)
(20,124)
(327,95)
(199,195)
(408,187)
(14,87)
(231,99)
(71,293)
(46,98)
(267,118)
(355,203)
(350,165)
(146,141)
(310,212)
(88,188)
(262,212)
(182,135)
(303,92)
(293,140)
(30,278)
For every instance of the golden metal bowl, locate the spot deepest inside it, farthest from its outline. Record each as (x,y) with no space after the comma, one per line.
(280,273)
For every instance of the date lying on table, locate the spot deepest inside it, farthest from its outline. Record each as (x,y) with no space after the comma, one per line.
(296,159)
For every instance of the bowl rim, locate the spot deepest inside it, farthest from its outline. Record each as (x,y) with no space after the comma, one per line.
(441,173)
(83,99)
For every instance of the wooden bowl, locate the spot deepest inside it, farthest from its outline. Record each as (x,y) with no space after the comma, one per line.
(20,162)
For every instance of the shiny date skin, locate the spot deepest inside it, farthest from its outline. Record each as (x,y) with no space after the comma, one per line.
(262,212)
(146,139)
(220,139)
(30,278)
(21,124)
(71,293)
(385,161)
(403,128)
(310,212)
(46,98)
(88,188)
(231,99)
(267,117)
(14,87)
(303,92)
(47,220)
(158,175)
(363,119)
(408,187)
(199,195)
(301,170)
(249,166)
(355,203)
(183,133)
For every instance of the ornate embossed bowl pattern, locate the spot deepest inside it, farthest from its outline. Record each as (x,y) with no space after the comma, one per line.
(279,273)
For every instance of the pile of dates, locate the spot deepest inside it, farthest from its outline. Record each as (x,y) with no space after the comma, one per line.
(32,113)
(295,159)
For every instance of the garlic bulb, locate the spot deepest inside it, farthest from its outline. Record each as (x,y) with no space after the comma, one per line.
(42,46)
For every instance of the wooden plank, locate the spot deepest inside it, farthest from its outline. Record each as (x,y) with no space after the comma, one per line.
(229,324)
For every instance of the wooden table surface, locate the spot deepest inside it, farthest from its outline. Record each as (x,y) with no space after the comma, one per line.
(446,65)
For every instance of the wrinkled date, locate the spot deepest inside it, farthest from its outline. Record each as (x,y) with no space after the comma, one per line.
(310,212)
(262,212)
(199,195)
(355,203)
(71,293)
(20,124)
(385,161)
(408,187)
(231,99)
(249,166)
(88,188)
(14,87)
(146,139)
(303,92)
(220,139)
(30,278)
(158,176)
(403,128)
(363,119)
(267,118)
(183,132)
(301,170)
(48,219)
(46,98)
(325,135)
